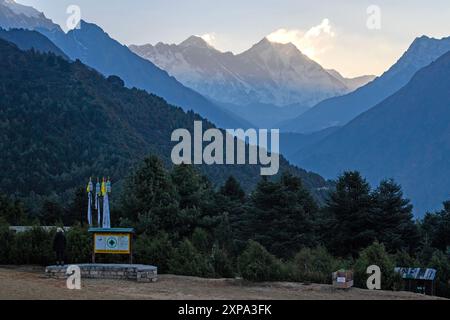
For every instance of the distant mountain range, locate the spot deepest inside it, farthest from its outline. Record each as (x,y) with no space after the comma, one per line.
(352,83)
(14,15)
(63,121)
(270,75)
(406,137)
(394,126)
(339,111)
(91,45)
(27,40)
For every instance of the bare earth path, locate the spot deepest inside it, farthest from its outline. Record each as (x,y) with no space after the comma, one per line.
(30,283)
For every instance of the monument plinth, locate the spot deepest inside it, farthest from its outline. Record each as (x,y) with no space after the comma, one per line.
(135,272)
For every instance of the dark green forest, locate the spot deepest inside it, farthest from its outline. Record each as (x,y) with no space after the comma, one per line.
(277,232)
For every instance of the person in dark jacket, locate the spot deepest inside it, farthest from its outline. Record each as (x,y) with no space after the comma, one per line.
(59,246)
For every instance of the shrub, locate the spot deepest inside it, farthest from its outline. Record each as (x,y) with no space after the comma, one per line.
(221,263)
(200,240)
(155,250)
(404,260)
(315,265)
(33,247)
(79,245)
(257,264)
(186,260)
(441,263)
(376,255)
(6,243)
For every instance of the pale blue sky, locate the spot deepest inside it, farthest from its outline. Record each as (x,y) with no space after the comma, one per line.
(348,45)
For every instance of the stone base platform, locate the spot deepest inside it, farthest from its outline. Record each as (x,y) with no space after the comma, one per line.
(136,272)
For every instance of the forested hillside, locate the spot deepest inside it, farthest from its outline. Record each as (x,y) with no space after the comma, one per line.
(62,122)
(406,137)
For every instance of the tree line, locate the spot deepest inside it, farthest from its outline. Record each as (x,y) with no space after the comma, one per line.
(276,232)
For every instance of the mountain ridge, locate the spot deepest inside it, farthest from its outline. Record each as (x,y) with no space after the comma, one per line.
(15,15)
(405,137)
(116,59)
(70,122)
(339,111)
(247,78)
(28,39)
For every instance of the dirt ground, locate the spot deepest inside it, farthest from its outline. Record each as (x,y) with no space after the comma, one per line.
(30,283)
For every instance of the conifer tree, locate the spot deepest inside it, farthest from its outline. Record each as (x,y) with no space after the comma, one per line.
(150,199)
(282,215)
(393,217)
(350,223)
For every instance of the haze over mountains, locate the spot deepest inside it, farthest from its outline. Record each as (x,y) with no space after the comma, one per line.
(269,73)
(405,137)
(351,83)
(340,110)
(266,76)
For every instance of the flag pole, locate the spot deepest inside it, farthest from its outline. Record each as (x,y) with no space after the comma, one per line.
(89,191)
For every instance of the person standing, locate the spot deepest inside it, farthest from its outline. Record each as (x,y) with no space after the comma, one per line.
(59,246)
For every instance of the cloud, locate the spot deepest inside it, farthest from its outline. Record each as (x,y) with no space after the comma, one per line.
(313,42)
(210,38)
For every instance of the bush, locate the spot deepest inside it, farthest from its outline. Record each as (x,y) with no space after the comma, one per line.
(155,251)
(441,263)
(402,259)
(187,261)
(200,240)
(315,265)
(221,263)
(376,255)
(79,245)
(33,247)
(6,243)
(257,264)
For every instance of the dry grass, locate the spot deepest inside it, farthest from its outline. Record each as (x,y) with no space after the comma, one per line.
(29,283)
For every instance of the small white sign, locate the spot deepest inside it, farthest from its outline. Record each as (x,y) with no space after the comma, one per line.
(341,280)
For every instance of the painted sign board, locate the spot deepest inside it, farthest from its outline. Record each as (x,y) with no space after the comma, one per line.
(113,243)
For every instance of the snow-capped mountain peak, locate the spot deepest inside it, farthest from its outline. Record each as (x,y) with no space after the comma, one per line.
(20,9)
(268,72)
(195,41)
(266,44)
(15,15)
(424,50)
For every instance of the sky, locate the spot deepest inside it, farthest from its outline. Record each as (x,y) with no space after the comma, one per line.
(354,37)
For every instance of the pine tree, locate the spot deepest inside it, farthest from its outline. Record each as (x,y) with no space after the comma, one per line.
(233,190)
(12,212)
(150,199)
(231,203)
(393,217)
(436,228)
(281,216)
(77,210)
(51,213)
(193,189)
(196,199)
(350,226)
